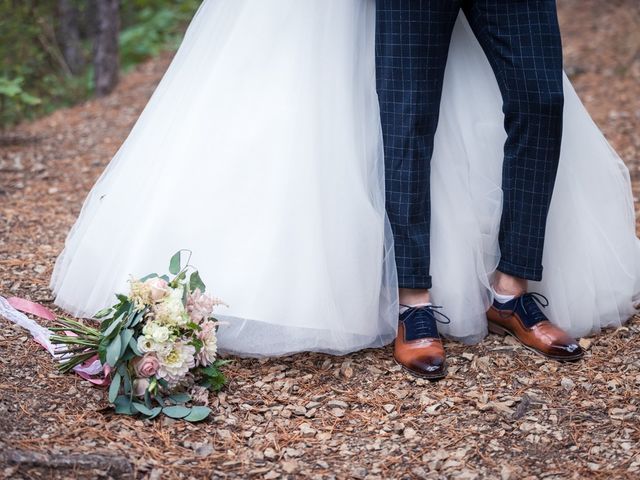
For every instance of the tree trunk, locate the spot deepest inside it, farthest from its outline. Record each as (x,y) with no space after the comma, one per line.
(69,36)
(105,50)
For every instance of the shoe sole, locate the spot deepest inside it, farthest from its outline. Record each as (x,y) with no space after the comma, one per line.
(498,330)
(424,376)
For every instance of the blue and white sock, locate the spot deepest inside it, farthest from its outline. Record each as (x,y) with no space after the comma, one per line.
(404,308)
(500,298)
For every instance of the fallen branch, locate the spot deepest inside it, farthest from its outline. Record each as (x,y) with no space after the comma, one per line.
(114,465)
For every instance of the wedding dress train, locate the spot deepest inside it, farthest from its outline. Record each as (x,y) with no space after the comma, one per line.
(260,151)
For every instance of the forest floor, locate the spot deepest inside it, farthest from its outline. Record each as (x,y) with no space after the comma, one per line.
(501,413)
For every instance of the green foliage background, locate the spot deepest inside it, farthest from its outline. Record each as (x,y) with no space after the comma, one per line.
(34,79)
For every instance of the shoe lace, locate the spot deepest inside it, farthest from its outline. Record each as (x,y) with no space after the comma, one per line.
(531,303)
(433,309)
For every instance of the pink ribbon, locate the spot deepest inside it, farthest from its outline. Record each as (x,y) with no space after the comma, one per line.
(27,306)
(40,311)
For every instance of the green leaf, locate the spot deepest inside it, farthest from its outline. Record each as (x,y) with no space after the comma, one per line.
(214,380)
(155,412)
(129,355)
(185,297)
(127,383)
(113,351)
(136,319)
(197,343)
(122,298)
(147,397)
(133,345)
(153,384)
(113,329)
(114,388)
(177,411)
(142,409)
(102,352)
(197,414)
(103,313)
(123,405)
(147,277)
(29,99)
(125,337)
(11,88)
(196,282)
(220,363)
(174,263)
(180,397)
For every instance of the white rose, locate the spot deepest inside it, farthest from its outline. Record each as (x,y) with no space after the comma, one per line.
(145,344)
(156,333)
(160,334)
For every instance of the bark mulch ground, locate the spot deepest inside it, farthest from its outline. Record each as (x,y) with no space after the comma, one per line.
(501,413)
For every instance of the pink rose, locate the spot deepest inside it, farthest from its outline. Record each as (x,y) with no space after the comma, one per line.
(140,386)
(146,366)
(159,288)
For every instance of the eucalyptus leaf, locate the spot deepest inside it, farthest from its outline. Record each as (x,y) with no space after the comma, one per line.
(174,263)
(125,336)
(133,345)
(197,414)
(142,409)
(155,412)
(177,411)
(147,277)
(185,297)
(123,405)
(113,351)
(114,388)
(103,313)
(180,397)
(129,355)
(136,319)
(102,352)
(196,282)
(113,329)
(147,398)
(127,383)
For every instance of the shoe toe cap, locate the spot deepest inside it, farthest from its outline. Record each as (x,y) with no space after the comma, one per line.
(428,365)
(569,349)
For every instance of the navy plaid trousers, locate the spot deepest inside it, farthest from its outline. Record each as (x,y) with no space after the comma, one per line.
(521,39)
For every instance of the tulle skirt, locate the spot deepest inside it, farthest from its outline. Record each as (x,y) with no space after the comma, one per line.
(260,151)
(592,255)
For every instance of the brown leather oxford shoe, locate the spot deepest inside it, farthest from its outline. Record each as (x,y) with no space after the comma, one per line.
(523,319)
(418,347)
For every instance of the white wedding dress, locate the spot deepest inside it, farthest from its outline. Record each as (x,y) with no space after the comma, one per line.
(260,151)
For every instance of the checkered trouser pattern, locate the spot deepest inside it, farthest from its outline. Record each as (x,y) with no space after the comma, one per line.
(521,39)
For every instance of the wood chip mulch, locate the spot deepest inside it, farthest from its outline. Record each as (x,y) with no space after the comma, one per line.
(501,413)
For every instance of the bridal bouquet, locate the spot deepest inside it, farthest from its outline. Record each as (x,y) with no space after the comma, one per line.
(158,344)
